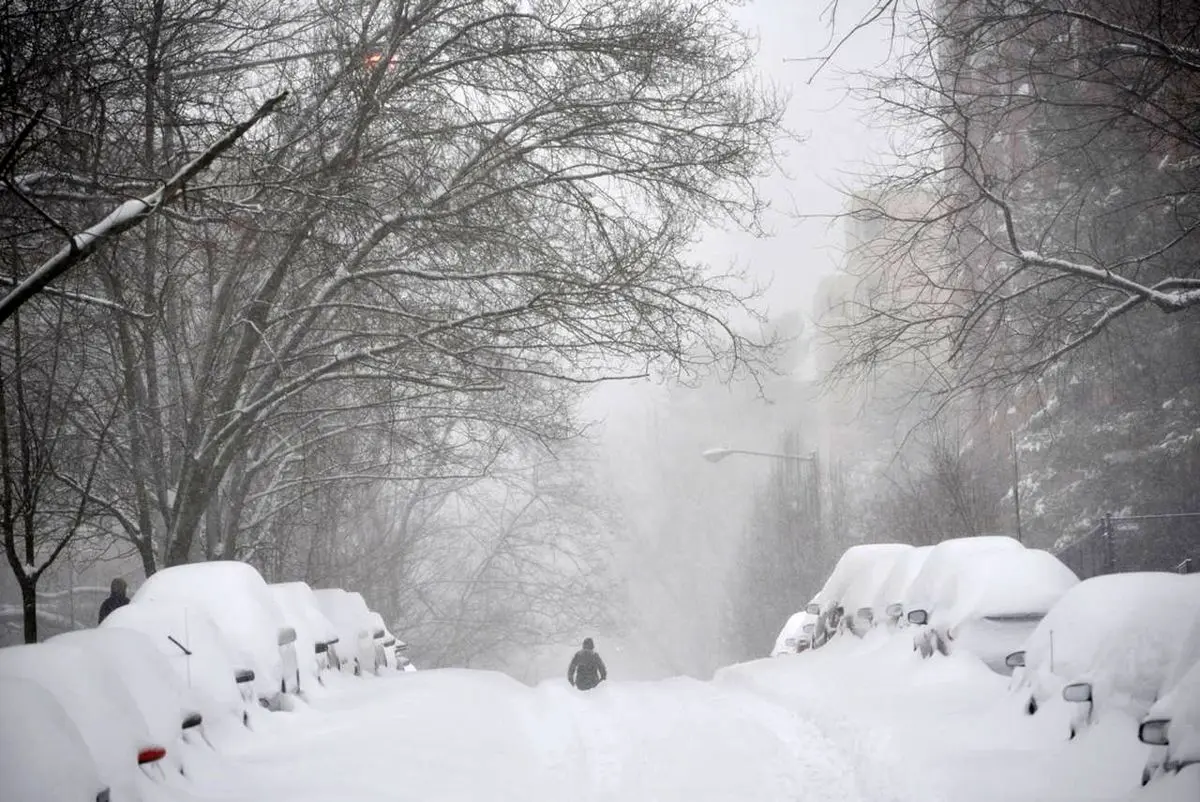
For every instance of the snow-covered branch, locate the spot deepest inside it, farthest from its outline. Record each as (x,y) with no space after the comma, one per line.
(128,215)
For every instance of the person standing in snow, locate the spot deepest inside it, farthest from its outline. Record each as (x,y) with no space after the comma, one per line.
(587,669)
(116,598)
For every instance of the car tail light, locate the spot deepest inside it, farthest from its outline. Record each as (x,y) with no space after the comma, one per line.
(244,675)
(151,754)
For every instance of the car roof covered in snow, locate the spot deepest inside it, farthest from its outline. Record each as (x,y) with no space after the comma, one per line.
(944,561)
(853,562)
(1121,632)
(303,611)
(347,611)
(894,587)
(1004,583)
(874,570)
(240,603)
(208,670)
(43,757)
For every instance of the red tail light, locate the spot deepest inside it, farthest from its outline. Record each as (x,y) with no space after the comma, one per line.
(151,754)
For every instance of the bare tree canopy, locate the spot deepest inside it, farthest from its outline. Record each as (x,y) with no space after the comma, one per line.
(1045,190)
(464,213)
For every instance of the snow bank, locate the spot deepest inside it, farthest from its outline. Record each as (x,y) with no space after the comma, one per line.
(239,601)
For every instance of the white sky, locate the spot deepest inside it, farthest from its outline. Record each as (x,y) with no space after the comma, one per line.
(837,142)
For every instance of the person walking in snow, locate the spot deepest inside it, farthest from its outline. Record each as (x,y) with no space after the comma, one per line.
(116,598)
(587,669)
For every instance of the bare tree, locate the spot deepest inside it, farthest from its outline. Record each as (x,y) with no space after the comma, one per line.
(461,198)
(1055,150)
(51,435)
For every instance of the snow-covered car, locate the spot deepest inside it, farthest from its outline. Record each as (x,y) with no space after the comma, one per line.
(942,563)
(988,603)
(197,653)
(402,661)
(1107,647)
(856,561)
(385,643)
(794,638)
(239,601)
(352,618)
(43,758)
(315,633)
(99,704)
(166,706)
(1171,726)
(858,598)
(893,590)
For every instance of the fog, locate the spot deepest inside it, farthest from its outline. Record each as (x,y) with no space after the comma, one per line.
(685,517)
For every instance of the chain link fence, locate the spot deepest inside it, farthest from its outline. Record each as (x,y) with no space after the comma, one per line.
(1167,542)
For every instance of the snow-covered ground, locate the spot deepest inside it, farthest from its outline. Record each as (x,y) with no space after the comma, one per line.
(853,721)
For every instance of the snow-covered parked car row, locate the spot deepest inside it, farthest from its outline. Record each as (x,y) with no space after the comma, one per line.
(117,713)
(1122,648)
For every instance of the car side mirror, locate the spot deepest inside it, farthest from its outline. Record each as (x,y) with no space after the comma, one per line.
(918,617)
(378,633)
(813,609)
(321,647)
(192,720)
(287,635)
(1078,692)
(1154,731)
(894,610)
(244,675)
(1015,660)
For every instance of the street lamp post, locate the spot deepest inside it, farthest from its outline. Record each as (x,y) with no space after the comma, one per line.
(718,454)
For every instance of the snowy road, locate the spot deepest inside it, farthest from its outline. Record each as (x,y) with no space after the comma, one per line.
(880,726)
(458,735)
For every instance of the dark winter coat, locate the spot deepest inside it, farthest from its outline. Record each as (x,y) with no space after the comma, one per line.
(111,603)
(586,670)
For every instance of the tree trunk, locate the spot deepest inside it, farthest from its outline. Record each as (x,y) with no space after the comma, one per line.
(29,609)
